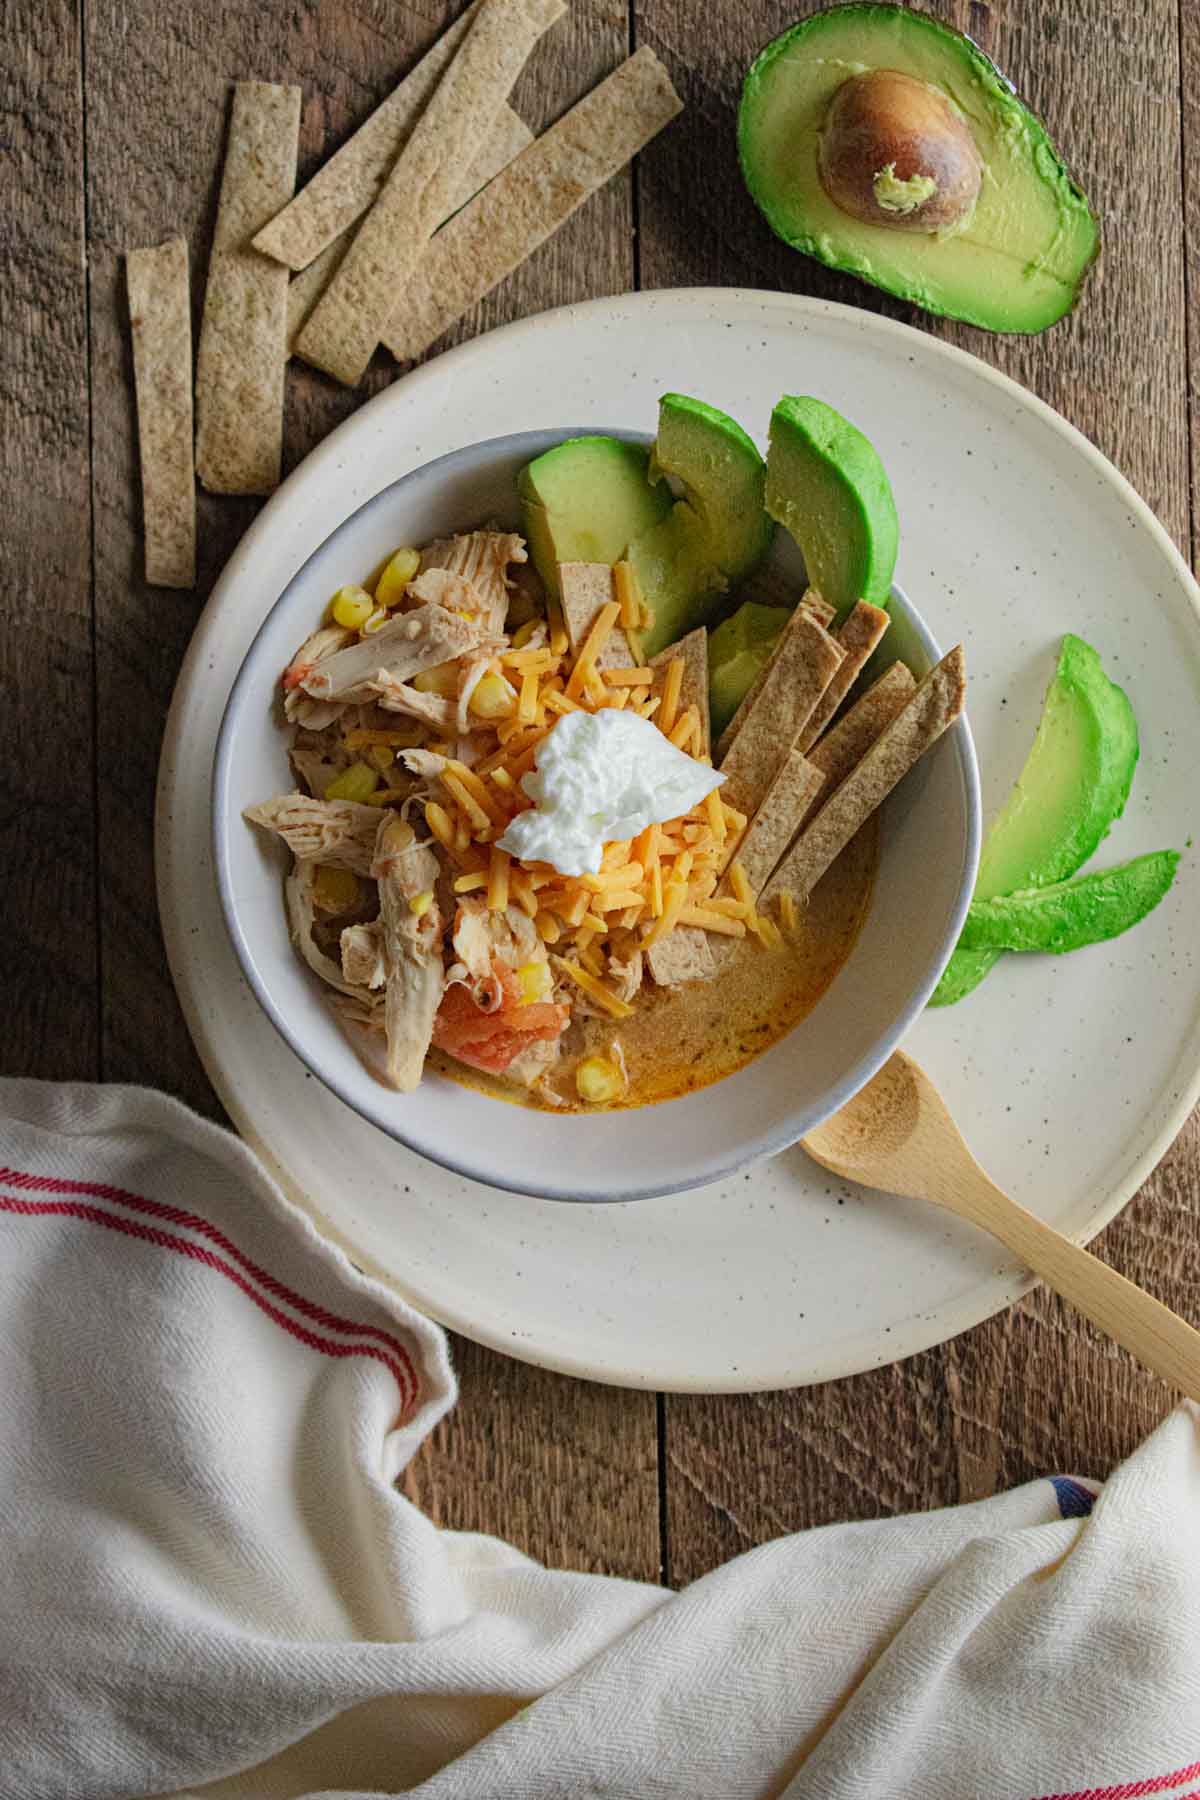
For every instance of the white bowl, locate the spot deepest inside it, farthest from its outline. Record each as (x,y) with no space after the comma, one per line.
(928,856)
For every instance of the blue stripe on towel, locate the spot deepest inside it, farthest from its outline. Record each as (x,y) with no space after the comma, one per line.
(1074,1502)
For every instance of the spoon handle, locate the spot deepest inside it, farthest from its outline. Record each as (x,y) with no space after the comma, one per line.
(1148,1329)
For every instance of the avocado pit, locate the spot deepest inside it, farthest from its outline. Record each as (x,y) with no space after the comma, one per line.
(893,152)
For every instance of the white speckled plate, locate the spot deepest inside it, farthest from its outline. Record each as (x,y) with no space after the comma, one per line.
(1069,1075)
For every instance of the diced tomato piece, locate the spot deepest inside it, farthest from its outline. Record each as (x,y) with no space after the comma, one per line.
(490,1041)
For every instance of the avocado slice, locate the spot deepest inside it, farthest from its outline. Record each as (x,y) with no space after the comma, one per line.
(949,191)
(1074,785)
(1072,914)
(584,500)
(716,532)
(828,488)
(737,650)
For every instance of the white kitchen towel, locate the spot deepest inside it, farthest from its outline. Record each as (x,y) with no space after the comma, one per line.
(209,1584)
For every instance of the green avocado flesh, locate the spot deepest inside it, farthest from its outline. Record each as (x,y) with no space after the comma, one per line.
(1072,914)
(1015,264)
(584,500)
(597,499)
(1075,783)
(737,650)
(827,487)
(715,534)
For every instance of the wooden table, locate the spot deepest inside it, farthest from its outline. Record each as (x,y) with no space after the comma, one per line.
(114,133)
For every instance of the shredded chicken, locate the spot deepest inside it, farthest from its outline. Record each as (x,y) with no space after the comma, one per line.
(408,643)
(531,1065)
(625,975)
(481,558)
(407,871)
(481,936)
(397,697)
(471,673)
(315,649)
(362,955)
(428,763)
(301,917)
(339,833)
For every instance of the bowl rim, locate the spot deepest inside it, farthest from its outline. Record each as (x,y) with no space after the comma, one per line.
(766,1143)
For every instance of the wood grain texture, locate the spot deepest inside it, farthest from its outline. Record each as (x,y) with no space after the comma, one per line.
(47,848)
(1037,1389)
(1189,88)
(566,1470)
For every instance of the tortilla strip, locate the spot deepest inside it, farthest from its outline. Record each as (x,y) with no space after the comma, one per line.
(683,955)
(802,619)
(344,188)
(584,588)
(694,691)
(860,631)
(349,319)
(837,752)
(528,202)
(918,725)
(408,643)
(801,667)
(161,319)
(239,370)
(507,138)
(780,814)
(820,609)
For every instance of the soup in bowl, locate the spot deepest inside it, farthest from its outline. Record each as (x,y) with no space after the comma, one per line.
(479,846)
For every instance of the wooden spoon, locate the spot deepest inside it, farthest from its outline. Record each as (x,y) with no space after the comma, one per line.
(897,1136)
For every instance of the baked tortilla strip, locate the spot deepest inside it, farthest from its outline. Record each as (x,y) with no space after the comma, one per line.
(800,669)
(683,955)
(239,369)
(805,610)
(528,202)
(860,631)
(345,187)
(820,609)
(161,319)
(694,689)
(780,814)
(349,319)
(837,752)
(508,137)
(936,703)
(583,589)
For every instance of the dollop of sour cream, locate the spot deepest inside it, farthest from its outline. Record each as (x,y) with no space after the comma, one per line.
(599,778)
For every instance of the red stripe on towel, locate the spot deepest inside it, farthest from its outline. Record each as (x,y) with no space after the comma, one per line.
(176,1215)
(165,1240)
(1133,1790)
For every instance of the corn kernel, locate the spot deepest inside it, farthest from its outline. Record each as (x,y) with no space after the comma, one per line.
(493,698)
(351,607)
(441,680)
(393,583)
(358,782)
(419,904)
(334,890)
(535,981)
(380,756)
(523,633)
(598,1080)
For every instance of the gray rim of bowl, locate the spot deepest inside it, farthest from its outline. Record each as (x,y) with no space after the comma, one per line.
(533,443)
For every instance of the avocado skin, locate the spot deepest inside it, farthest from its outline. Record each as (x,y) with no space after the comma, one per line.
(1080,698)
(988,307)
(828,488)
(1072,914)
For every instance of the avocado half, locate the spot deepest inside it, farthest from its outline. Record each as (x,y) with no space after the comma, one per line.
(950,192)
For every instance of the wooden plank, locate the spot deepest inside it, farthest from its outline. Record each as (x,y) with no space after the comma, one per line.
(1035,1390)
(568,1471)
(48,948)
(1189,87)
